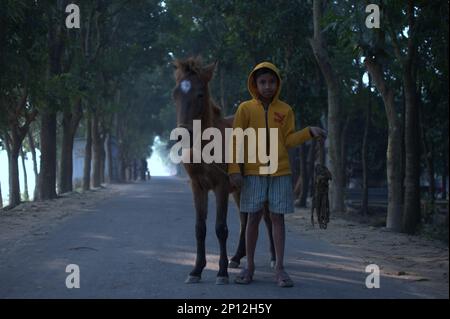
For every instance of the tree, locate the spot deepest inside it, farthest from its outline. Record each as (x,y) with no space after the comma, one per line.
(70,122)
(406,28)
(364,152)
(20,61)
(31,143)
(87,155)
(411,211)
(25,177)
(334,109)
(56,37)
(394,149)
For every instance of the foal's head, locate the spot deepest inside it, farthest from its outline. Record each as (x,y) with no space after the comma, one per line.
(191,92)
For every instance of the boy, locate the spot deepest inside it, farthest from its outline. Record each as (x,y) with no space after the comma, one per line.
(265,110)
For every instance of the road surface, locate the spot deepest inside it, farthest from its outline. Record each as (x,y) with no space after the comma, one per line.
(141,244)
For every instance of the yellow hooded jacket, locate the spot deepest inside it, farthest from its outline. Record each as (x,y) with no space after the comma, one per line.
(252,114)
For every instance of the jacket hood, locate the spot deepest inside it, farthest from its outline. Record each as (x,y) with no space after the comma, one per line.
(251,83)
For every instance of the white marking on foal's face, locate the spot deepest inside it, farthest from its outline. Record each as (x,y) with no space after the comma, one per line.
(185,86)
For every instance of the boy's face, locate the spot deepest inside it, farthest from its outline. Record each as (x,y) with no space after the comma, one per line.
(267,85)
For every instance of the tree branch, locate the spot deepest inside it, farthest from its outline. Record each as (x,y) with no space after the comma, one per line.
(395,43)
(22,101)
(29,118)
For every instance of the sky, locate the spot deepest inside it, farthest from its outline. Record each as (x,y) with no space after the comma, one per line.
(158,164)
(4,176)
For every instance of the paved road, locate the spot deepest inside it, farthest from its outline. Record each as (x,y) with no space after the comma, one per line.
(140,244)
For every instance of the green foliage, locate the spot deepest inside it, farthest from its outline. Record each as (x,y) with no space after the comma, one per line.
(122,67)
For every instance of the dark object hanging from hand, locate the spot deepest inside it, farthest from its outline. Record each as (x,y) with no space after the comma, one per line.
(320,201)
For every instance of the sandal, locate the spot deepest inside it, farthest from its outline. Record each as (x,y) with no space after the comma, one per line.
(244,278)
(283,279)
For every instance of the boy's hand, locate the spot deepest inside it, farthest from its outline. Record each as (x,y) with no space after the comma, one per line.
(317,132)
(236,180)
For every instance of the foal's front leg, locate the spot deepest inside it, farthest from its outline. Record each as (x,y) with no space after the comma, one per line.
(201,208)
(240,252)
(221,193)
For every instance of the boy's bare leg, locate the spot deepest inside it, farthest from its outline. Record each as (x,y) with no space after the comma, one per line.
(251,236)
(278,233)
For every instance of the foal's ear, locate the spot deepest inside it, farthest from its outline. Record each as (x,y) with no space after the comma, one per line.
(176,69)
(208,71)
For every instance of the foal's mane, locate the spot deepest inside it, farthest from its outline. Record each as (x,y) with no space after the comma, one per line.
(194,66)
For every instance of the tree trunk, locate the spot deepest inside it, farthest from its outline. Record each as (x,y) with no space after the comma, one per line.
(334,111)
(109,160)
(13,171)
(312,154)
(135,170)
(26,195)
(364,155)
(103,135)
(402,168)
(19,122)
(445,174)
(428,154)
(96,147)
(66,161)
(411,213)
(123,171)
(304,176)
(47,175)
(102,160)
(393,154)
(35,170)
(71,120)
(87,155)
(128,173)
(444,185)
(344,152)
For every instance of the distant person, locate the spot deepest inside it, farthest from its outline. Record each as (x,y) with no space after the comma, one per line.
(144,169)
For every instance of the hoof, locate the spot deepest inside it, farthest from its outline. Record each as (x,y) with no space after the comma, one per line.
(222,281)
(272,264)
(233,264)
(192,279)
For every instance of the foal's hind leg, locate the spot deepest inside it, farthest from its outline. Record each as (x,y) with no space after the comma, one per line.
(221,193)
(268,223)
(201,208)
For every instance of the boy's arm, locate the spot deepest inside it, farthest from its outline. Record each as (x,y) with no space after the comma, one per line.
(292,137)
(241,122)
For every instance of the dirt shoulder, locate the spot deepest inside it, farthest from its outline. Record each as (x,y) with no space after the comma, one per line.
(413,258)
(38,217)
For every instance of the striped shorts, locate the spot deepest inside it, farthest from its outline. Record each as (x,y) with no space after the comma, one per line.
(276,190)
